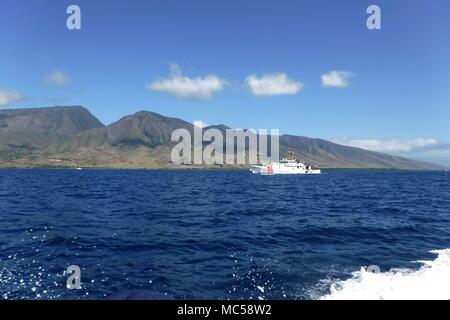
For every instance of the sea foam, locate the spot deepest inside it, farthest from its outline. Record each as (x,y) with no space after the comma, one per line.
(430,281)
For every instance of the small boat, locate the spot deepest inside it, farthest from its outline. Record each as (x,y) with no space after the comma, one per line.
(288,165)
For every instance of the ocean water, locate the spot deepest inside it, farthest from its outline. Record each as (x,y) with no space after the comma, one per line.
(224,234)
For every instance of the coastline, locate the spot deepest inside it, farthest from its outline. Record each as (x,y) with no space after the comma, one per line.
(27,166)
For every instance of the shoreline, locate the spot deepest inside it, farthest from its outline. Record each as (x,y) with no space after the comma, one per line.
(186,168)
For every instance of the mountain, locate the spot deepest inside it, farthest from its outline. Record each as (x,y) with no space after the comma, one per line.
(144,129)
(25,131)
(71,136)
(141,140)
(331,155)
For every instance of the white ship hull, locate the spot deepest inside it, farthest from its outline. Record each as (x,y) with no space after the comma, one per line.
(280,168)
(286,166)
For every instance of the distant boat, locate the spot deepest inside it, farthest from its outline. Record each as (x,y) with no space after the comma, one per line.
(288,165)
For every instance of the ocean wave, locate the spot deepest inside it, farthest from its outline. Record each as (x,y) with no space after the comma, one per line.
(430,282)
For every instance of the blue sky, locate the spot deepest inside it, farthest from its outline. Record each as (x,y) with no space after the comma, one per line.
(255,64)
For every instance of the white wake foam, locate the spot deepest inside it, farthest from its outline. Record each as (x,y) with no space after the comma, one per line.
(431,281)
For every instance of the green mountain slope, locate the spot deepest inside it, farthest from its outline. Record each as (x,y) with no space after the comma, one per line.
(71,136)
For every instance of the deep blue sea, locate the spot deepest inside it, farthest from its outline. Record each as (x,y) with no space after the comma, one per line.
(218,234)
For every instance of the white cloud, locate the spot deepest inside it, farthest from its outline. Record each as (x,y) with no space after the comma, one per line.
(184,88)
(336,79)
(436,150)
(56,78)
(201,124)
(273,84)
(438,153)
(387,145)
(9,96)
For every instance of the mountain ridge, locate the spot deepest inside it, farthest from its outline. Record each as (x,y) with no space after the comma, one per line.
(72,136)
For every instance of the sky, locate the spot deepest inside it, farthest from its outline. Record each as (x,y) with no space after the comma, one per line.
(309,68)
